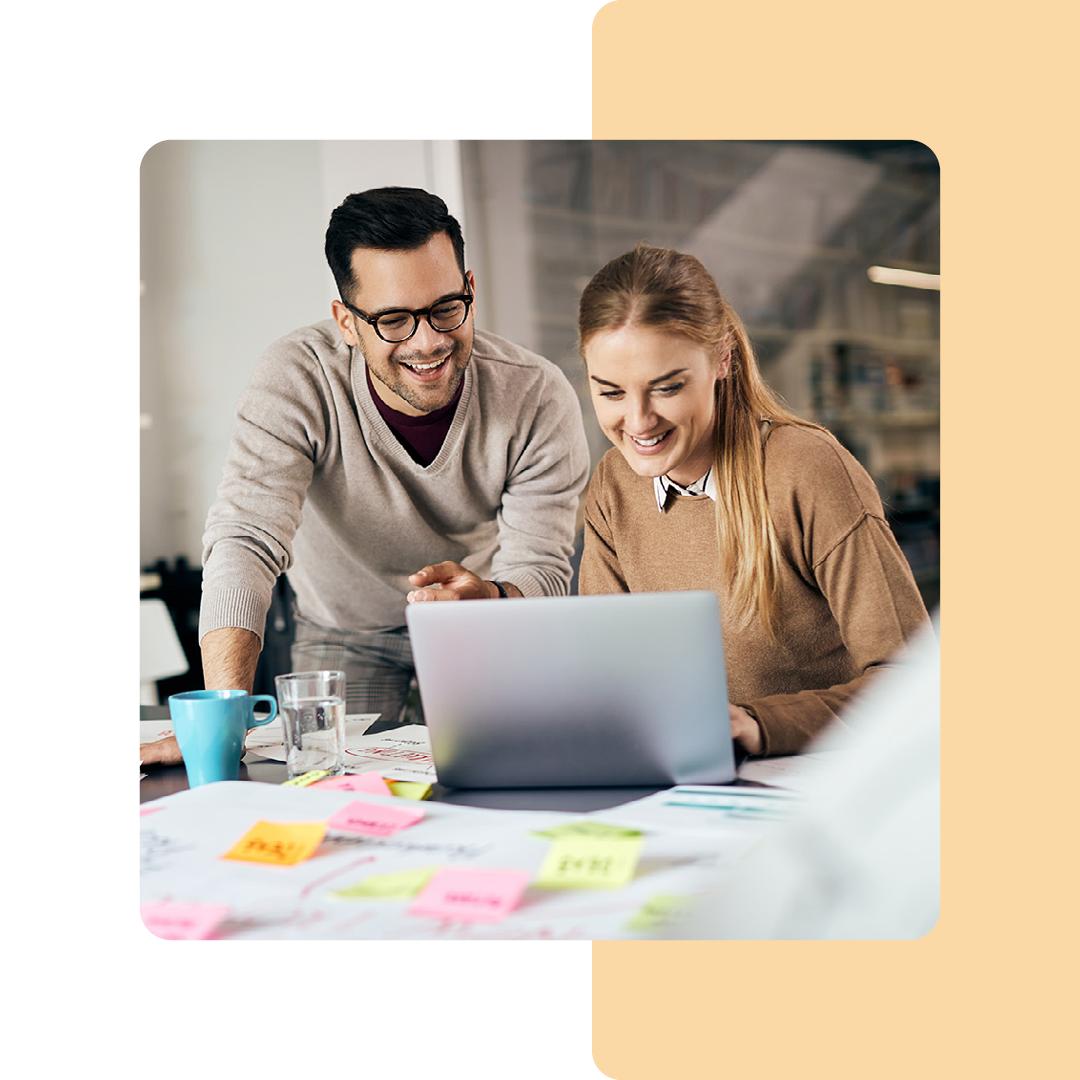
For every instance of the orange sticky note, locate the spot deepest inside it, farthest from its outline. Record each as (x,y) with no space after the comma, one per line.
(279,842)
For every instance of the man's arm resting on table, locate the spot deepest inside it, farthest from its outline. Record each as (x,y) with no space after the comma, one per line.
(229,658)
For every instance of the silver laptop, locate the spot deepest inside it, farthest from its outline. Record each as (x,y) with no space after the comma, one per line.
(581,691)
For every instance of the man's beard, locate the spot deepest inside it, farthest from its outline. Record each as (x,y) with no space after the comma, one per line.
(389,375)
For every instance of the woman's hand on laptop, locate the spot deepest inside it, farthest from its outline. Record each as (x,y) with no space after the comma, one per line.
(451,581)
(745,730)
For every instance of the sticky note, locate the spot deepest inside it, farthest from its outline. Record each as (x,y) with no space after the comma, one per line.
(372,819)
(177,921)
(472,895)
(279,842)
(150,810)
(409,789)
(588,863)
(658,912)
(594,829)
(307,778)
(369,782)
(388,886)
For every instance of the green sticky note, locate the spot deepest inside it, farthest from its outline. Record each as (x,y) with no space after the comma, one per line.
(576,862)
(658,912)
(595,830)
(409,789)
(306,778)
(388,886)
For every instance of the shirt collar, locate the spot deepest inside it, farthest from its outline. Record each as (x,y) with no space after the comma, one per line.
(663,485)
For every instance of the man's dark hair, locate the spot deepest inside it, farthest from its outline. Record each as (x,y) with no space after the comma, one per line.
(390,219)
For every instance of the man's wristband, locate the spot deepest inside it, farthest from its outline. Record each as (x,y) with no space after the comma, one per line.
(502,592)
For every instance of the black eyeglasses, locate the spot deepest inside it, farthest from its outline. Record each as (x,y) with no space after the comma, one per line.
(400,324)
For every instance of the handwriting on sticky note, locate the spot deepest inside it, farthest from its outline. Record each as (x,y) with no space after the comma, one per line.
(589,863)
(305,779)
(368,782)
(278,842)
(658,912)
(399,886)
(409,789)
(177,921)
(471,895)
(596,830)
(373,819)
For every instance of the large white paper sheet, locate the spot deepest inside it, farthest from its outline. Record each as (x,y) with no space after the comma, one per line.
(742,812)
(797,772)
(183,841)
(403,753)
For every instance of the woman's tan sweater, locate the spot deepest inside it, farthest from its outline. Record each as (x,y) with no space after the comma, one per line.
(847,598)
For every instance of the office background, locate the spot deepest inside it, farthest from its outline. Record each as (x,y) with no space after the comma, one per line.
(231,258)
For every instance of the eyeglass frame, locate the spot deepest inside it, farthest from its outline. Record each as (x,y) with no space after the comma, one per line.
(373,320)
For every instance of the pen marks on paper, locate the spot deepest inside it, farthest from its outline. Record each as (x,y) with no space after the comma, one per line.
(448,850)
(156,851)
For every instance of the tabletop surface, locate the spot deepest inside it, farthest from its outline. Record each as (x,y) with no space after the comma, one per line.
(159,782)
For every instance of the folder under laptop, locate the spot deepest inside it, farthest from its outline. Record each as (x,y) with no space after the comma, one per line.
(617,690)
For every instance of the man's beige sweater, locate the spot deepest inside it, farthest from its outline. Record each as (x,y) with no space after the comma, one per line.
(318,485)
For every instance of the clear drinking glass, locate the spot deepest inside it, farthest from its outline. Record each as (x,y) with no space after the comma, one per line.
(312,707)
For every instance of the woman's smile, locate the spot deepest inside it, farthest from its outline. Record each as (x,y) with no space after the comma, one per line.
(654,395)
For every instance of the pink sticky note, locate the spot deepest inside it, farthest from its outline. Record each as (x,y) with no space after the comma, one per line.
(176,921)
(473,895)
(150,810)
(369,782)
(373,820)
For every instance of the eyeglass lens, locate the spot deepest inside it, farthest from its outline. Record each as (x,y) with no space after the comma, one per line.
(399,325)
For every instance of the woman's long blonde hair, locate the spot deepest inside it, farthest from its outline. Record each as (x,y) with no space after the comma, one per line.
(669,290)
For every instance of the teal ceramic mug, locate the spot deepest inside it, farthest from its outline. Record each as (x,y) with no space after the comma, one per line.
(210,726)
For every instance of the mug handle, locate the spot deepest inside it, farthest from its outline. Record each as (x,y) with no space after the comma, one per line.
(273,709)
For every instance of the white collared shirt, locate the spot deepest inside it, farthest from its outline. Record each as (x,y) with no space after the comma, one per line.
(662,485)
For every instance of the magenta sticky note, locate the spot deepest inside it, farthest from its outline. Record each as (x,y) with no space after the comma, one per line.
(372,819)
(369,782)
(474,895)
(187,921)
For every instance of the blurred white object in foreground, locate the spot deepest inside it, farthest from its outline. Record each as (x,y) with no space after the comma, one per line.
(861,859)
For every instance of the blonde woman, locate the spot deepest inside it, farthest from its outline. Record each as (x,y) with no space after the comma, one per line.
(713,484)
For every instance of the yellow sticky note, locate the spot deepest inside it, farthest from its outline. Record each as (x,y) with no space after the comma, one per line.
(306,778)
(278,842)
(594,830)
(658,912)
(409,789)
(388,886)
(589,863)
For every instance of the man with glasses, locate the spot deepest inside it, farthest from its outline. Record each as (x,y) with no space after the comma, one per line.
(394,454)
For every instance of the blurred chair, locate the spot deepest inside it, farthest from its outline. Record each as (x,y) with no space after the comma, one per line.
(160,653)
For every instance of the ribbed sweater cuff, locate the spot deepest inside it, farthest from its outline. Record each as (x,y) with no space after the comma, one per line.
(239,608)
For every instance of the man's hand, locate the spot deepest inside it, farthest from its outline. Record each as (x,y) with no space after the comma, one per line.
(449,581)
(745,730)
(163,752)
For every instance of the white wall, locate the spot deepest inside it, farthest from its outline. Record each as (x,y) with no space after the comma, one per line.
(232,258)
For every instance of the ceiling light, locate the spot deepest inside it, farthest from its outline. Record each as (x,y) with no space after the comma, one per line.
(913,279)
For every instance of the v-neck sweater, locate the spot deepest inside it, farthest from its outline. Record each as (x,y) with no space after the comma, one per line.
(316,484)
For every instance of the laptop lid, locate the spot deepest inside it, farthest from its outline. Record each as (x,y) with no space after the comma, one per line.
(626,689)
